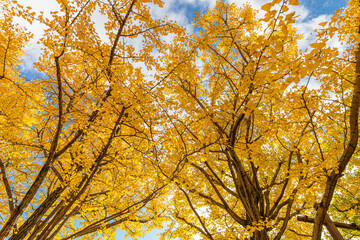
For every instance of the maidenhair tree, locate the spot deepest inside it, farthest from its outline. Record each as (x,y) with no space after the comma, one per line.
(229,133)
(76,139)
(257,131)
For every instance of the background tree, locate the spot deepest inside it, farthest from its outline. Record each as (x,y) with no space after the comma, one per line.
(76,140)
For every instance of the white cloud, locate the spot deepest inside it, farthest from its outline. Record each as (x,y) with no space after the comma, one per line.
(38,5)
(307,28)
(177,11)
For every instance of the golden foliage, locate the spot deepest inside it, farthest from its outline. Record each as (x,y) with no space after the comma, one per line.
(221,133)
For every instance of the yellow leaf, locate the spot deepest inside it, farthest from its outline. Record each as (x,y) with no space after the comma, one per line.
(267,6)
(323,24)
(285,8)
(284,29)
(293,2)
(289,16)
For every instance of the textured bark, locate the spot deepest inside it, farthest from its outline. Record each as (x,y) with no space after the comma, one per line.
(41,226)
(7,187)
(36,216)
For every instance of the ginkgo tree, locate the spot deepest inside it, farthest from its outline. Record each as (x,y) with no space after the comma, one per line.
(248,142)
(221,133)
(76,140)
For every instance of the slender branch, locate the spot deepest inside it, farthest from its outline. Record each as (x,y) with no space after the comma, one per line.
(208,234)
(7,187)
(352,226)
(36,216)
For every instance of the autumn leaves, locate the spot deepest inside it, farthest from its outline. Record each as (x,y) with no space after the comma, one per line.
(225,138)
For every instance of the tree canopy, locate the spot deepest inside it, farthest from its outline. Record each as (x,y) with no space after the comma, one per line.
(228,133)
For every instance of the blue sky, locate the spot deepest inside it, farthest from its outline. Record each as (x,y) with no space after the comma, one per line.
(322,7)
(311,13)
